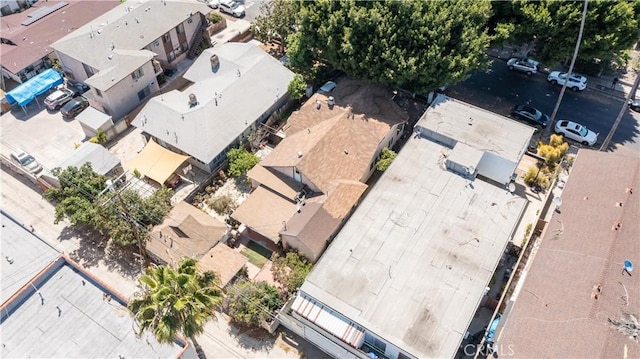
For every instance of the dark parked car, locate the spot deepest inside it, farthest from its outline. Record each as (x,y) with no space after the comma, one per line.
(74,107)
(634,105)
(530,115)
(77,87)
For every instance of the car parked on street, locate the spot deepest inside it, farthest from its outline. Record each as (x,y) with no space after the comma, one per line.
(74,107)
(213,3)
(527,66)
(26,161)
(634,105)
(531,115)
(576,82)
(576,132)
(58,98)
(231,7)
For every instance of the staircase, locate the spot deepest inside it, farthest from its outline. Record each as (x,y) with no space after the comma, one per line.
(201,35)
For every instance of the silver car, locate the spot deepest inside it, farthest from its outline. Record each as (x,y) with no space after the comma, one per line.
(26,161)
(527,66)
(58,98)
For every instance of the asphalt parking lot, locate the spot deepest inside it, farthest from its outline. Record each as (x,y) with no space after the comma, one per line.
(45,135)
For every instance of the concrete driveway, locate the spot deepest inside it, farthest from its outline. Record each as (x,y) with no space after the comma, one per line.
(44,135)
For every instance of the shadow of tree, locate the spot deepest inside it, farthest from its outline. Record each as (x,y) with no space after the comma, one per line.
(94,249)
(254,339)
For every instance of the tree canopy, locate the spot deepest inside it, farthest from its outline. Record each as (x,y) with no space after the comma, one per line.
(252,303)
(416,45)
(76,195)
(120,214)
(552,27)
(173,301)
(290,270)
(240,161)
(275,22)
(297,86)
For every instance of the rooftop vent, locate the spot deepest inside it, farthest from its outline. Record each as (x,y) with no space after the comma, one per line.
(215,63)
(299,154)
(193,101)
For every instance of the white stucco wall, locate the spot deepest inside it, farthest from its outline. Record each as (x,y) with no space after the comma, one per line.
(120,99)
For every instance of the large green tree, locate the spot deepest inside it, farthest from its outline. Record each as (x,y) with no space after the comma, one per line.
(252,303)
(551,27)
(276,21)
(416,45)
(124,215)
(75,198)
(179,300)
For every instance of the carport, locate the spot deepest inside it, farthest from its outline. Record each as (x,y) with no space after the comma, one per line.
(30,90)
(156,162)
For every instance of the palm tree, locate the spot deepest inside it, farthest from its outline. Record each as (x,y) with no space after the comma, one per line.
(175,301)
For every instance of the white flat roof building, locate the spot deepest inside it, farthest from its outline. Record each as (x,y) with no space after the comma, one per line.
(53,308)
(406,274)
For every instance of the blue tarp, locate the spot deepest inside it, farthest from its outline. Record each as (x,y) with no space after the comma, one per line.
(35,86)
(492,328)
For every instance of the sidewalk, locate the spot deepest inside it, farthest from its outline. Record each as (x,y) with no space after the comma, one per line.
(601,84)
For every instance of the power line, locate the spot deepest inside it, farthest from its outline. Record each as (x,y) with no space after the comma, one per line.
(93,198)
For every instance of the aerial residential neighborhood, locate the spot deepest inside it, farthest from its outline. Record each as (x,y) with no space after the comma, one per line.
(319,179)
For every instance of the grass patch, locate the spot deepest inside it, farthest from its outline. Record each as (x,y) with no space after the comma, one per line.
(257,254)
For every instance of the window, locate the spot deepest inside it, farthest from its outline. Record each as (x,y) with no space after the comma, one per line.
(166,37)
(171,56)
(88,69)
(98,92)
(142,94)
(185,46)
(137,74)
(180,29)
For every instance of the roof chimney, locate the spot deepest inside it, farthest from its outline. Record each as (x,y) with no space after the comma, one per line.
(215,63)
(193,101)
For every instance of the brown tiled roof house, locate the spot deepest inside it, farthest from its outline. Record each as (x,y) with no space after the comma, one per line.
(306,187)
(576,292)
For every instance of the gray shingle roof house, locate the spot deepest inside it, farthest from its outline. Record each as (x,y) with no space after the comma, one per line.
(113,53)
(53,308)
(236,87)
(405,275)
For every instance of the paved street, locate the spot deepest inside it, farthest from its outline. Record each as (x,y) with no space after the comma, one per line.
(499,89)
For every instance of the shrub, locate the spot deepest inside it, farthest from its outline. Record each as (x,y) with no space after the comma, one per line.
(297,87)
(240,161)
(386,157)
(222,205)
(215,18)
(251,303)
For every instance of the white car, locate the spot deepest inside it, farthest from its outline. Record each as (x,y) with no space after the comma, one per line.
(231,7)
(213,3)
(576,132)
(527,66)
(26,161)
(576,82)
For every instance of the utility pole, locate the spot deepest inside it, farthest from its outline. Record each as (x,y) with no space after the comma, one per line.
(134,227)
(573,62)
(625,105)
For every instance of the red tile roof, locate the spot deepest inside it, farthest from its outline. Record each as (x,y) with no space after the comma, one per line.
(33,42)
(576,283)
